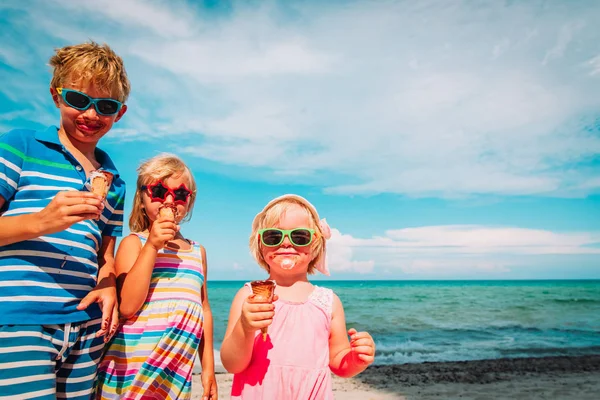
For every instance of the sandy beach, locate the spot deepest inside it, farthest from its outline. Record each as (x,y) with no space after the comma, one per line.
(522,378)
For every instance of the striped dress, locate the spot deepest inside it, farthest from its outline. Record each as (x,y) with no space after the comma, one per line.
(152,354)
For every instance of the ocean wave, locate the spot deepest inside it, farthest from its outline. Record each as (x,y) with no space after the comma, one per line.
(463,345)
(424,354)
(576,300)
(550,351)
(500,328)
(384,299)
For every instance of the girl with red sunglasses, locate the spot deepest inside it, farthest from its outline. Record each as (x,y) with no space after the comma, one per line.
(305,336)
(161,280)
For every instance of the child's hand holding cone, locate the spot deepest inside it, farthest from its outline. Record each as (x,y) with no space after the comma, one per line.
(263,291)
(258,310)
(164,229)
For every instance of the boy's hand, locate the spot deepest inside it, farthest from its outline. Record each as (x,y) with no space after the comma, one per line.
(68,208)
(209,386)
(257,313)
(362,346)
(105,293)
(162,231)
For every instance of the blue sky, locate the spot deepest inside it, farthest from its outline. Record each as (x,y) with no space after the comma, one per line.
(441,139)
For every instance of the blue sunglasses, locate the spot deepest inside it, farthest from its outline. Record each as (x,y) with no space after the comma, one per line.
(81,101)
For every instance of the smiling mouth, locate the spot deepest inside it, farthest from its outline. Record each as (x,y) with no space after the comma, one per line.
(89,128)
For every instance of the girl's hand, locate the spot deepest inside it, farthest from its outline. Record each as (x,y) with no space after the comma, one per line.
(209,385)
(362,346)
(68,208)
(105,293)
(161,233)
(257,313)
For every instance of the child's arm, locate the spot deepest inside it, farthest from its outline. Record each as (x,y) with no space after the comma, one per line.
(105,291)
(236,350)
(135,263)
(245,318)
(347,359)
(207,355)
(65,209)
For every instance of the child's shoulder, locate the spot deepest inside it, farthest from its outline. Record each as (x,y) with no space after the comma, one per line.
(134,238)
(17,136)
(193,242)
(324,290)
(323,298)
(29,140)
(195,245)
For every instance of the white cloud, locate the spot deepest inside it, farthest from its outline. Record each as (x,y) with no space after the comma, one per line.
(454,249)
(168,19)
(14,114)
(500,48)
(12,56)
(237,267)
(434,98)
(452,268)
(468,239)
(565,36)
(340,255)
(594,64)
(225,59)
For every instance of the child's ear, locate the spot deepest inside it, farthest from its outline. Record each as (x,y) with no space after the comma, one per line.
(121,112)
(55,96)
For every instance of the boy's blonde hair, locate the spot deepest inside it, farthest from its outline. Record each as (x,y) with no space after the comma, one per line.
(91,62)
(158,168)
(270,216)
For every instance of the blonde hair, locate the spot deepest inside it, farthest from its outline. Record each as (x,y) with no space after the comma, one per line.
(270,216)
(157,168)
(91,62)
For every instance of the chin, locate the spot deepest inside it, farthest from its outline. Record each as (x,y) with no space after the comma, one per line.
(88,137)
(298,269)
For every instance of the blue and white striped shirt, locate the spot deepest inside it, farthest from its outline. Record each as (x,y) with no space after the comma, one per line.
(42,280)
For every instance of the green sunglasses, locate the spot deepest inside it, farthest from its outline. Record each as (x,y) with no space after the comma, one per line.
(299,237)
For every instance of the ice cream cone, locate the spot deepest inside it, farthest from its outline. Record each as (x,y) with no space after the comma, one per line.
(100,182)
(263,290)
(168,212)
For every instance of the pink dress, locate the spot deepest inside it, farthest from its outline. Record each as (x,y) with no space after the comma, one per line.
(293,363)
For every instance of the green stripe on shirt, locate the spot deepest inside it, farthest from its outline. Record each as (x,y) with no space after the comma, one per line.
(32,159)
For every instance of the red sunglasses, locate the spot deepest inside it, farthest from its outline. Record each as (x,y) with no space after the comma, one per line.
(158,192)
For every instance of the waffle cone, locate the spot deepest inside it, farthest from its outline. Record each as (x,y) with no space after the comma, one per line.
(264,290)
(168,212)
(100,182)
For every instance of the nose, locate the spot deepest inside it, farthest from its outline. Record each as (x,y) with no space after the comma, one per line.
(91,112)
(286,241)
(169,198)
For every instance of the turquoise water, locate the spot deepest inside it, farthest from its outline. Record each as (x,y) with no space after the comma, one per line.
(418,321)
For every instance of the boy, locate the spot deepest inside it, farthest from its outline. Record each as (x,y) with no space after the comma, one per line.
(57,238)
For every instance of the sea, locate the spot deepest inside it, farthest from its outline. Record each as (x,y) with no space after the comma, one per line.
(421,321)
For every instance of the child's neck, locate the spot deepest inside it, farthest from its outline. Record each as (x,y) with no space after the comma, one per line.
(85,153)
(293,290)
(288,280)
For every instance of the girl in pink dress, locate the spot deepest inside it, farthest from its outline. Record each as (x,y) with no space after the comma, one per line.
(306,335)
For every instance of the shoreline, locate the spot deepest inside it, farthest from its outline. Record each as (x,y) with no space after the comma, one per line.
(480,371)
(560,377)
